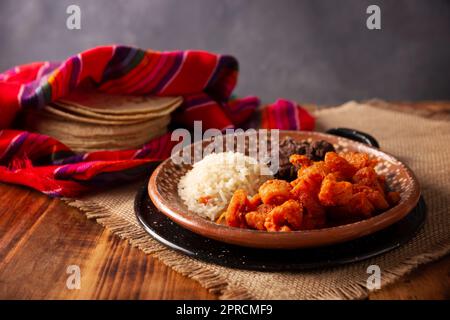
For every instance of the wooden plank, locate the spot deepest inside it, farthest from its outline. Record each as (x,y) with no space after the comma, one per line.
(40,237)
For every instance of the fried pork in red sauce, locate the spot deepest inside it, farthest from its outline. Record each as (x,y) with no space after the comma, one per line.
(314,151)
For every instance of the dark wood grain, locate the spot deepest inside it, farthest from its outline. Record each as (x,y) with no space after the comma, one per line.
(40,237)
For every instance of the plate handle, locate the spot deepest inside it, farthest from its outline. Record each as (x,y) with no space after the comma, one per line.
(355,135)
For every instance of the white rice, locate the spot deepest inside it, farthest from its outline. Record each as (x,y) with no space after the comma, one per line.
(217,176)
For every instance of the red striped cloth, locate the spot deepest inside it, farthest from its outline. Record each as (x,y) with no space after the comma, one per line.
(205,81)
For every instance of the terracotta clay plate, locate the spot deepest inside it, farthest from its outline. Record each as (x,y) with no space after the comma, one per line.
(163,192)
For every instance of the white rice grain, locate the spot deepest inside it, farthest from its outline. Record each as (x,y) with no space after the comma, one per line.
(217,176)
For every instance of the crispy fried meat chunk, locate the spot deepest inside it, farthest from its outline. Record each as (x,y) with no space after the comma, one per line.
(314,214)
(334,192)
(336,163)
(358,160)
(375,197)
(359,207)
(275,191)
(235,215)
(285,217)
(256,219)
(310,178)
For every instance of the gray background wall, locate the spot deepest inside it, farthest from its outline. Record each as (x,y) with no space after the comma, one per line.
(312,51)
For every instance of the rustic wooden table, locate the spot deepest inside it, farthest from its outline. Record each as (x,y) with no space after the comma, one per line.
(40,237)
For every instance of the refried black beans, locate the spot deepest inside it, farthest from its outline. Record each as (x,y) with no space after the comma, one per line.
(315,151)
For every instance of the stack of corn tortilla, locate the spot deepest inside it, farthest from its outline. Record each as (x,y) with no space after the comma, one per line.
(88,120)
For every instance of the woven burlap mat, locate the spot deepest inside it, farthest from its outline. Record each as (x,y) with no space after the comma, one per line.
(421,143)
